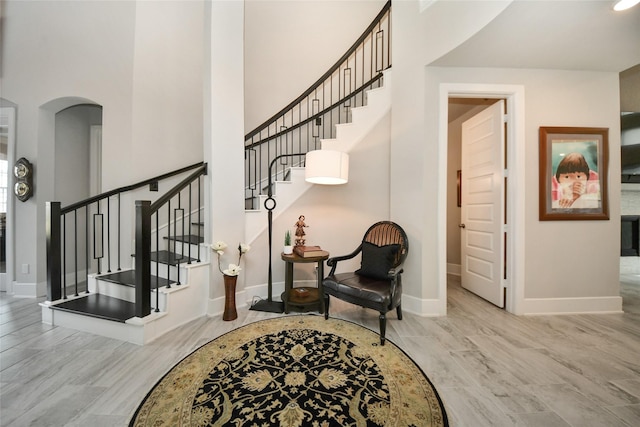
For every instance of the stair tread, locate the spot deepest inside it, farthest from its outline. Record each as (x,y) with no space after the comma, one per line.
(190,238)
(171,258)
(128,278)
(100,306)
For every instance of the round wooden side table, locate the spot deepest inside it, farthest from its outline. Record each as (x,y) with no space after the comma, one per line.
(303,298)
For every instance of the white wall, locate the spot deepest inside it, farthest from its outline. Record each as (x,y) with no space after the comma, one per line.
(558,98)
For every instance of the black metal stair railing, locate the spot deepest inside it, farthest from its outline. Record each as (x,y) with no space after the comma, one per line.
(312,116)
(86,237)
(145,213)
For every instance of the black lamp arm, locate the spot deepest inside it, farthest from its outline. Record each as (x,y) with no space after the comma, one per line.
(273,162)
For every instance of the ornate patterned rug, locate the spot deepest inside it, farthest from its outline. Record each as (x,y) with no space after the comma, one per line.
(294,371)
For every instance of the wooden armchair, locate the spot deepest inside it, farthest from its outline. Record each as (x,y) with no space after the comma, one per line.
(378,283)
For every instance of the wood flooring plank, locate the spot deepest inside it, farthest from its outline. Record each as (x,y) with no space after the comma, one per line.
(491,368)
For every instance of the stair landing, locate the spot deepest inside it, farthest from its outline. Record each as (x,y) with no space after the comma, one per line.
(100,306)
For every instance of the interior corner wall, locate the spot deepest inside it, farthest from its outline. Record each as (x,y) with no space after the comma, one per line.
(225,128)
(568,264)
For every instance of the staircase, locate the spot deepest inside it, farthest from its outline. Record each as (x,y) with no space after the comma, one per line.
(108,307)
(168,280)
(347,136)
(168,284)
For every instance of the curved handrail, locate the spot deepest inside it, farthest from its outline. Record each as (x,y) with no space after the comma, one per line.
(301,125)
(331,70)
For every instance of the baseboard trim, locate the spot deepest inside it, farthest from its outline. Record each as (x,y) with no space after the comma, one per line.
(586,305)
(215,307)
(454,269)
(423,307)
(27,290)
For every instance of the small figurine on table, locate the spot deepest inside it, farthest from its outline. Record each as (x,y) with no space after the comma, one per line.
(300,231)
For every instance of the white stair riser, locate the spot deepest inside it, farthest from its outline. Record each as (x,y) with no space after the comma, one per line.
(178,305)
(124,292)
(183,249)
(172,271)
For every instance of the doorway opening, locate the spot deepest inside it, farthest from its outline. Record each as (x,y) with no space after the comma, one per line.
(7,142)
(476,97)
(477,148)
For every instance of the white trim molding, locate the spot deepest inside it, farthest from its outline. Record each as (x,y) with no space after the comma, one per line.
(514,96)
(422,307)
(580,305)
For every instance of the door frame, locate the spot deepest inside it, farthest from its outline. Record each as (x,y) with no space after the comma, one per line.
(515,135)
(9,275)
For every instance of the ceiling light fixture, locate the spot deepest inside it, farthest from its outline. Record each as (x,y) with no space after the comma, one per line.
(624,4)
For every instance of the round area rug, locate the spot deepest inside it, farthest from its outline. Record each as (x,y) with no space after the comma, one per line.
(294,371)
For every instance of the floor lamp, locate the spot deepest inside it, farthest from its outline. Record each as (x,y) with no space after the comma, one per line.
(326,167)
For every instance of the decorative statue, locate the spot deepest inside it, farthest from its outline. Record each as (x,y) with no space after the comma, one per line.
(300,225)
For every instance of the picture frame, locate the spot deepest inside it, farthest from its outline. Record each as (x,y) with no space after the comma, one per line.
(573,173)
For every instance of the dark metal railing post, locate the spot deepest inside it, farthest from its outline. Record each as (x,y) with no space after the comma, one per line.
(108,235)
(168,244)
(199,216)
(157,214)
(75,249)
(64,256)
(189,227)
(53,251)
(143,258)
(119,245)
(86,247)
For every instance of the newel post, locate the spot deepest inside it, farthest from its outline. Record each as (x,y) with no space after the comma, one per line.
(143,258)
(54,253)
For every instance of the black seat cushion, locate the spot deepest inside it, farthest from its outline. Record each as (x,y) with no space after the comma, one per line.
(377,260)
(362,290)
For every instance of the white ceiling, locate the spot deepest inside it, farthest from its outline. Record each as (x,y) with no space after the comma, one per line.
(559,34)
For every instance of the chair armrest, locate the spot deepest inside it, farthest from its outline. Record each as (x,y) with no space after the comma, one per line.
(395,271)
(333,261)
(394,276)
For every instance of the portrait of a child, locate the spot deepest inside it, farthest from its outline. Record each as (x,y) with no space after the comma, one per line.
(574,184)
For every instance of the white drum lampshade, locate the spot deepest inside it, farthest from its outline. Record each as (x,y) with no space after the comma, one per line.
(327,167)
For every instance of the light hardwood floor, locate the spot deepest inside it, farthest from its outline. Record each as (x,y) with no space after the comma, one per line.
(490,368)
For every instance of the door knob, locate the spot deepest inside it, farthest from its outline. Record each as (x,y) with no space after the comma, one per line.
(461,225)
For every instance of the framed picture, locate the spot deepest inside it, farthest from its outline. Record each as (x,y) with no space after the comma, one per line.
(573,173)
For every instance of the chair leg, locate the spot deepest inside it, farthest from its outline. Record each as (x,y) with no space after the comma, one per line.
(383,327)
(399,311)
(326,306)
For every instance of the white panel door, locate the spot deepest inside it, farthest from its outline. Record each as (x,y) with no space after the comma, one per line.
(482,207)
